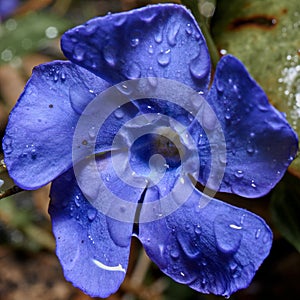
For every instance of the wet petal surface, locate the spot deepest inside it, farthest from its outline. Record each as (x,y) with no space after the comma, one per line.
(93,248)
(209,245)
(260,143)
(156,41)
(38,139)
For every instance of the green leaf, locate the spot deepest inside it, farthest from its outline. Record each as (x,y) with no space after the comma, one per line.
(264,35)
(285,207)
(29,33)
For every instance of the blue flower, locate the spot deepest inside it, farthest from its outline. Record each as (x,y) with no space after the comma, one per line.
(133,173)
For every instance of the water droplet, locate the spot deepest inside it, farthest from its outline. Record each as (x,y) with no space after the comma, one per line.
(220,85)
(151,49)
(148,15)
(63,75)
(228,237)
(79,100)
(33,153)
(92,132)
(92,213)
(134,71)
(257,234)
(134,42)
(164,57)
(209,120)
(119,20)
(199,67)
(158,37)
(7,144)
(124,88)
(189,29)
(198,229)
(250,148)
(233,265)
(188,245)
(119,113)
(174,253)
(109,54)
(152,78)
(239,174)
(172,33)
(253,184)
(77,201)
(78,53)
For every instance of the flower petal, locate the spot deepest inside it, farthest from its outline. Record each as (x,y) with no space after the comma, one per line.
(212,247)
(38,140)
(93,248)
(260,142)
(154,41)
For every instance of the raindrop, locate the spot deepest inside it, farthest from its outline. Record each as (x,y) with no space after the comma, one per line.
(151,49)
(134,71)
(124,88)
(198,229)
(209,120)
(119,113)
(7,143)
(78,53)
(77,201)
(152,78)
(148,15)
(220,85)
(92,213)
(257,234)
(119,20)
(134,42)
(199,67)
(164,57)
(250,148)
(109,54)
(92,132)
(79,100)
(174,253)
(158,36)
(63,76)
(187,245)
(172,33)
(189,29)
(33,154)
(228,237)
(239,174)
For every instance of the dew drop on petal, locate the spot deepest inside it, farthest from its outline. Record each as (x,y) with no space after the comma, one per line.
(172,33)
(148,15)
(109,54)
(239,174)
(134,71)
(187,245)
(164,57)
(199,67)
(78,53)
(92,213)
(228,236)
(119,113)
(119,20)
(158,37)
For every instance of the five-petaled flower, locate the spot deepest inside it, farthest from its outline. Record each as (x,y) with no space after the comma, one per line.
(214,247)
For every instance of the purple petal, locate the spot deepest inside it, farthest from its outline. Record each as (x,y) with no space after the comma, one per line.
(93,248)
(209,245)
(260,142)
(154,41)
(38,140)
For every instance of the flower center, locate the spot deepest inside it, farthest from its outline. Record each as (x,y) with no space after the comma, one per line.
(155,153)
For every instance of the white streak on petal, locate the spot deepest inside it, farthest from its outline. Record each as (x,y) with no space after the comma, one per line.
(108,268)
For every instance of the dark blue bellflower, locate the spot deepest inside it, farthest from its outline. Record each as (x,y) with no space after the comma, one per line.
(204,243)
(7,7)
